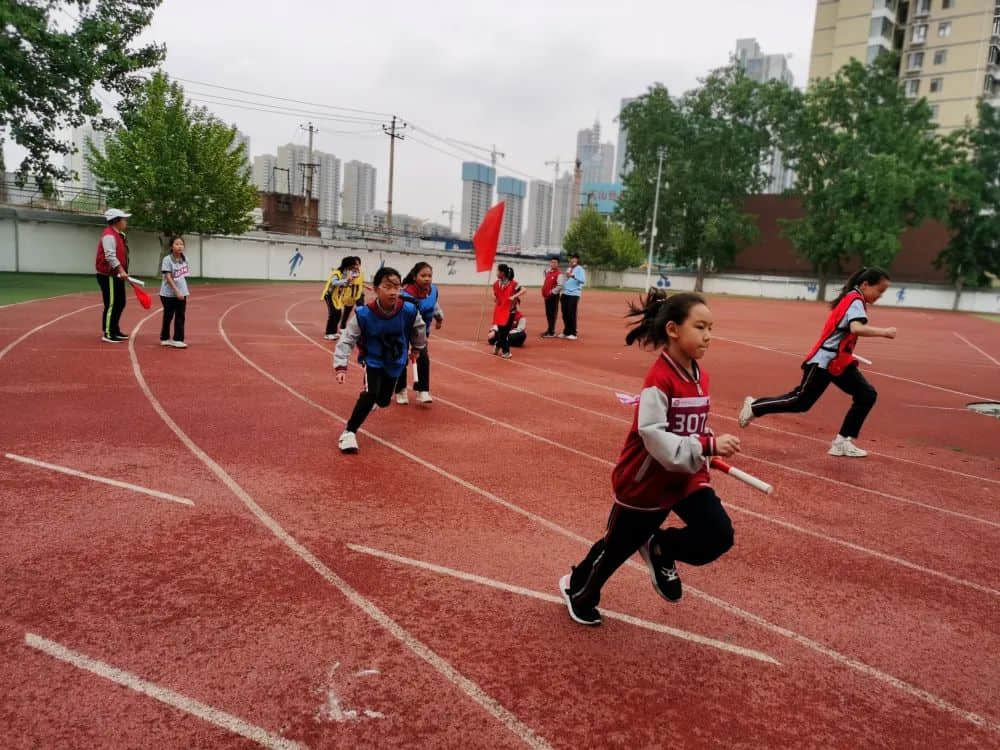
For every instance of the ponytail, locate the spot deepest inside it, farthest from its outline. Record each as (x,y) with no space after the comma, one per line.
(654,311)
(863,275)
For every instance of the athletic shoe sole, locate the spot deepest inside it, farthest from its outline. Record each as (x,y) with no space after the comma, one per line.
(564,590)
(746,412)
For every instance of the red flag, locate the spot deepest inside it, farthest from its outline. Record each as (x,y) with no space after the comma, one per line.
(140,294)
(486,237)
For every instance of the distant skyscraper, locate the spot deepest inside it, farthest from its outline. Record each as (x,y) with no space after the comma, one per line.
(511,191)
(326,178)
(597,159)
(264,177)
(563,201)
(359,191)
(763,68)
(76,162)
(245,140)
(539,232)
(621,167)
(477,195)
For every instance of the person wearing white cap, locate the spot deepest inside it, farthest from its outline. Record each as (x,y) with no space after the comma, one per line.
(112,270)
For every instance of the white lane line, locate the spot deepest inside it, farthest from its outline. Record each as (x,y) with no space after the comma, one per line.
(103,480)
(760,516)
(869,370)
(36,329)
(460,681)
(194,707)
(991,359)
(940,408)
(743,614)
(531,593)
(715,415)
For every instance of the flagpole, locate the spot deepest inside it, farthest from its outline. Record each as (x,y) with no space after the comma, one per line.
(482,307)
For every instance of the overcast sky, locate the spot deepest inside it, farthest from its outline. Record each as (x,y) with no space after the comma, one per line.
(525,76)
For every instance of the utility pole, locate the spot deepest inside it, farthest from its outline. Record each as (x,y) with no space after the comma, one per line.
(307,173)
(393,136)
(451,216)
(661,152)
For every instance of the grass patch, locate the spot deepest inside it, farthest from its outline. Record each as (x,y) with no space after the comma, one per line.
(989,317)
(21,287)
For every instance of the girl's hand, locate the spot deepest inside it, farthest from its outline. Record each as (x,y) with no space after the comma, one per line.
(889,333)
(727,445)
(341,375)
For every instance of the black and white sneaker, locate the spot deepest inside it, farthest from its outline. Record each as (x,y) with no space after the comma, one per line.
(111,339)
(579,612)
(665,579)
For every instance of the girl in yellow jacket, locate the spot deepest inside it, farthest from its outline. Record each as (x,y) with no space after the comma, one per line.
(355,296)
(337,294)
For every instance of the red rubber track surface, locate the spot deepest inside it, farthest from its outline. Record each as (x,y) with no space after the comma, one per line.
(871,582)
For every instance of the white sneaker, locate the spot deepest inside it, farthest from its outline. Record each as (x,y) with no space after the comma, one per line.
(332,336)
(178,345)
(166,342)
(348,442)
(845,447)
(424,397)
(746,413)
(506,355)
(571,337)
(402,398)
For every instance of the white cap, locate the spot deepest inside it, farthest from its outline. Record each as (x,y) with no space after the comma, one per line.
(113,214)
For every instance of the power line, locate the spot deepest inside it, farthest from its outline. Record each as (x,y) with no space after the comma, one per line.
(298,111)
(285,99)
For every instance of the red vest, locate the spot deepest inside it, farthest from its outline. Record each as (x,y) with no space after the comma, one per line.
(501,313)
(551,280)
(638,479)
(121,251)
(845,350)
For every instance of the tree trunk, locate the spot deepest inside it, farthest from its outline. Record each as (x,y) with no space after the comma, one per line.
(822,280)
(958,292)
(699,279)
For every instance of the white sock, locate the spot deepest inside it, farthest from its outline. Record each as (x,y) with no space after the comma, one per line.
(840,439)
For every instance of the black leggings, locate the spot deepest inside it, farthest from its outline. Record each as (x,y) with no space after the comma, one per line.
(815,379)
(345,318)
(378,389)
(502,339)
(113,295)
(332,317)
(707,535)
(423,381)
(173,308)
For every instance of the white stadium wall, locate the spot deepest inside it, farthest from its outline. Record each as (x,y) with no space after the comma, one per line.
(56,242)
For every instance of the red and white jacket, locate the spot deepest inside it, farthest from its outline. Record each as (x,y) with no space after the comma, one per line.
(665,455)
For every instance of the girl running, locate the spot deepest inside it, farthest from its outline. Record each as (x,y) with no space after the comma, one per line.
(507,293)
(336,293)
(418,289)
(664,464)
(386,331)
(831,360)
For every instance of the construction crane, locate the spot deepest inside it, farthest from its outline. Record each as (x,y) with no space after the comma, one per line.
(450,213)
(492,152)
(556,163)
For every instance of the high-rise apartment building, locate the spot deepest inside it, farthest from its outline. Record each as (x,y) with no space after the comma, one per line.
(477,195)
(76,162)
(265,179)
(359,192)
(763,68)
(539,231)
(325,178)
(243,138)
(596,159)
(621,167)
(950,48)
(511,192)
(563,200)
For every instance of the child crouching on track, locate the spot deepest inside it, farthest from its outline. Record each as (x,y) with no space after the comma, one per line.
(663,467)
(388,331)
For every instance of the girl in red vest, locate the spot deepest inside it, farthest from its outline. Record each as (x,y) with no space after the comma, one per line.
(663,467)
(831,360)
(507,294)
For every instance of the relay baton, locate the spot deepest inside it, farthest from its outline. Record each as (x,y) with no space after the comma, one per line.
(861,359)
(132,280)
(757,484)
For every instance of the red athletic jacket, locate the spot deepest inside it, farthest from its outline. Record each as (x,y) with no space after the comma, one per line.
(663,460)
(121,252)
(845,350)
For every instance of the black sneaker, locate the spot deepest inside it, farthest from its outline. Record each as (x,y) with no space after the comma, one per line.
(548,335)
(111,340)
(665,579)
(579,612)
(121,335)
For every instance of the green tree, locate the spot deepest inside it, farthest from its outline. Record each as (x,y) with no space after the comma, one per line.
(177,167)
(588,236)
(53,53)
(626,248)
(867,166)
(714,140)
(974,212)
